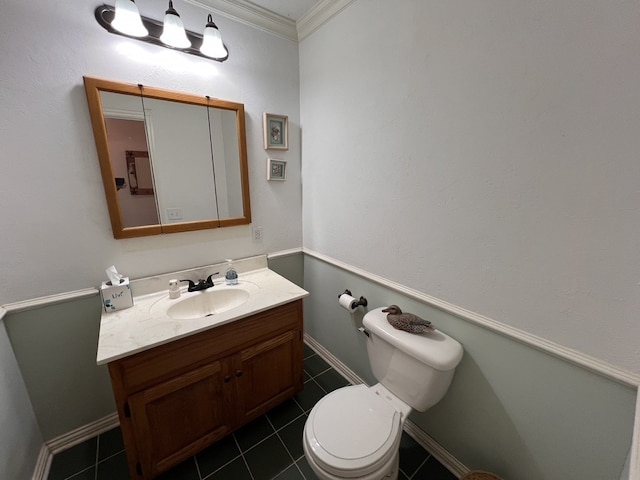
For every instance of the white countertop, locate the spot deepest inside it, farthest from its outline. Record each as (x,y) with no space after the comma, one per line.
(146,325)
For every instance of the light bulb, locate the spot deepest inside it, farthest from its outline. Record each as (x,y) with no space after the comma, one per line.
(212,45)
(127,19)
(173,33)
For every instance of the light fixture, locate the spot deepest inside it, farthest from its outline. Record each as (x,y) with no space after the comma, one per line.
(212,45)
(127,19)
(173,33)
(208,46)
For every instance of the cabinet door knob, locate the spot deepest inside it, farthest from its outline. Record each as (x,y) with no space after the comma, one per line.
(238,373)
(227,379)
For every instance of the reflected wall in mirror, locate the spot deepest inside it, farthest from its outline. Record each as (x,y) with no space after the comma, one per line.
(197,175)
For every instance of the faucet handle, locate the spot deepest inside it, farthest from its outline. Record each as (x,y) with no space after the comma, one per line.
(210,279)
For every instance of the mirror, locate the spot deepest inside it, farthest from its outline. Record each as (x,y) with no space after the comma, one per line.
(139,171)
(183,157)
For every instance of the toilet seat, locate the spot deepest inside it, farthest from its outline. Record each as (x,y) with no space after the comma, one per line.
(353,431)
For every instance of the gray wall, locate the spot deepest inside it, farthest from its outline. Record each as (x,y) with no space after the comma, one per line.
(55,347)
(20,438)
(290,266)
(511,409)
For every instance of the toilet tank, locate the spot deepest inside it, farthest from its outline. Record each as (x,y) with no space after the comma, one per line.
(417,368)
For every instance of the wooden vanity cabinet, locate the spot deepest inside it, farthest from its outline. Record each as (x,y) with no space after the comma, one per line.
(176,399)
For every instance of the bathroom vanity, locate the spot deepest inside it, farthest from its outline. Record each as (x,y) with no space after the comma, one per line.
(187,383)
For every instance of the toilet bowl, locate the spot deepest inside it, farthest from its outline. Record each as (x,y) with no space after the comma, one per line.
(354,432)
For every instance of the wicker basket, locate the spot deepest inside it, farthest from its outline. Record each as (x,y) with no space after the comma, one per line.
(478,475)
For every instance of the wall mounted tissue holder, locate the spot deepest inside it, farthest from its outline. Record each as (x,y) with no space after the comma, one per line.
(347,301)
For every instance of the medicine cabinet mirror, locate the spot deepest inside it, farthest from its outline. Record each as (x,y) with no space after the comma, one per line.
(187,155)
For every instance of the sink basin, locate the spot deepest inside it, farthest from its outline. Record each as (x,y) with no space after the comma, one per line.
(207,303)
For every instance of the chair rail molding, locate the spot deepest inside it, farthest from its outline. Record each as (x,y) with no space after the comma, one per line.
(577,358)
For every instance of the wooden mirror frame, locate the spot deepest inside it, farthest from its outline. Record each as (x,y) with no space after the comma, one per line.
(93,87)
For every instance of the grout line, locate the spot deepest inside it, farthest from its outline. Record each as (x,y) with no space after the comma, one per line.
(321,373)
(246,464)
(299,406)
(285,445)
(110,456)
(289,423)
(195,460)
(95,476)
(319,386)
(75,474)
(313,379)
(259,443)
(419,467)
(219,468)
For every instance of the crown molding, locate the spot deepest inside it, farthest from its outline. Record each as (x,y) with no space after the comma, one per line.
(252,15)
(249,14)
(321,13)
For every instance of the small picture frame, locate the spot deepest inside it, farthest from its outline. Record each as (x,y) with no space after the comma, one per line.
(276,169)
(276,131)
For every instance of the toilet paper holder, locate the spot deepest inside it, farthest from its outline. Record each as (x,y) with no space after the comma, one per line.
(361,302)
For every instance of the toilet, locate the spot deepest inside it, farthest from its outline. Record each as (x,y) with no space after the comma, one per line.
(354,432)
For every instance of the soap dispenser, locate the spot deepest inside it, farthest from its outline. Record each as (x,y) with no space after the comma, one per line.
(174,288)
(231,276)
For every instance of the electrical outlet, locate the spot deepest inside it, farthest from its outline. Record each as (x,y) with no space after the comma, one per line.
(257,234)
(174,214)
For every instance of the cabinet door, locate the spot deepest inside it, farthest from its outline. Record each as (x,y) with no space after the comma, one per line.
(267,374)
(178,418)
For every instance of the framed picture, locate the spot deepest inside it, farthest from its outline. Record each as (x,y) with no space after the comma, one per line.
(276,169)
(276,131)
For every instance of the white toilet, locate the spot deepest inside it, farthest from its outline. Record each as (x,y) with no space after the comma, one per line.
(354,432)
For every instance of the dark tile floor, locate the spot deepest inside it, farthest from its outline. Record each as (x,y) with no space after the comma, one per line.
(270,447)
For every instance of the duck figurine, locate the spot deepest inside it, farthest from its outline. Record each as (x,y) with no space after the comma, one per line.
(407,321)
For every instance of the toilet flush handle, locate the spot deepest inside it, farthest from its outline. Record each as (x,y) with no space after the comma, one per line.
(364,330)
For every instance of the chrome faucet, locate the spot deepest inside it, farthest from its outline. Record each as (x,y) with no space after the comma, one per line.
(200,284)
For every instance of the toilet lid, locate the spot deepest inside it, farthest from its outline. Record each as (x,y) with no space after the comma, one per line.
(353,431)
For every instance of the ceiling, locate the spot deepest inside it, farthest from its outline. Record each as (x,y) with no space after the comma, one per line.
(290,19)
(291,9)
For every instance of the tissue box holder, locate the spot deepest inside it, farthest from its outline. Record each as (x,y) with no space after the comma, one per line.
(116,297)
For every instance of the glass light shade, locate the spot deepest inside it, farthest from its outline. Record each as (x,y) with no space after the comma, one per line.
(173,33)
(127,19)
(212,45)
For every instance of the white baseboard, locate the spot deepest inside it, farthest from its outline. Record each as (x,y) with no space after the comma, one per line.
(634,473)
(43,464)
(441,454)
(70,439)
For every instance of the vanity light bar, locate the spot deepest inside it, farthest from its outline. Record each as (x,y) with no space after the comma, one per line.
(105,15)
